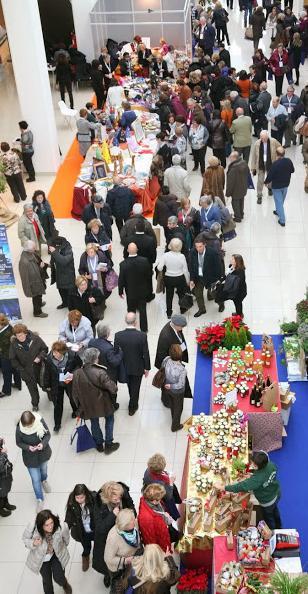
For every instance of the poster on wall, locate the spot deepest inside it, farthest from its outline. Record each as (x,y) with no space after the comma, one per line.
(9,303)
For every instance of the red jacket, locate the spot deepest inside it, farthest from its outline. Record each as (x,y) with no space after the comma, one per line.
(152,527)
(275,59)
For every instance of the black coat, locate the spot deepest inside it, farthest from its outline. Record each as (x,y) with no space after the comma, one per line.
(134,344)
(105,71)
(97,81)
(225,56)
(145,244)
(6,477)
(135,278)
(110,356)
(23,359)
(101,238)
(242,288)
(63,73)
(166,338)
(105,217)
(74,520)
(51,373)
(38,457)
(62,267)
(212,269)
(81,302)
(104,520)
(143,60)
(176,233)
(121,201)
(165,207)
(130,227)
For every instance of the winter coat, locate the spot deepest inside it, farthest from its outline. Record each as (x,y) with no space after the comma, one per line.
(130,227)
(172,496)
(153,528)
(82,334)
(214,182)
(258,24)
(121,200)
(104,520)
(62,267)
(46,218)
(198,137)
(210,216)
(304,98)
(36,555)
(166,206)
(38,457)
(110,357)
(51,373)
(6,478)
(166,338)
(237,179)
(23,360)
(89,213)
(176,179)
(74,520)
(26,231)
(31,275)
(274,144)
(100,239)
(116,550)
(218,133)
(162,587)
(93,391)
(219,17)
(274,62)
(5,341)
(241,129)
(81,302)
(177,106)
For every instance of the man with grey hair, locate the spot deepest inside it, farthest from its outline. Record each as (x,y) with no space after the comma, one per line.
(130,225)
(261,108)
(237,184)
(241,129)
(30,228)
(263,155)
(134,345)
(173,230)
(237,101)
(176,179)
(32,271)
(93,392)
(111,357)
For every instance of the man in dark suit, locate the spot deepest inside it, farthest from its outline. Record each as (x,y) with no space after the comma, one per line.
(110,356)
(171,333)
(121,200)
(134,345)
(145,243)
(135,279)
(205,269)
(97,209)
(130,225)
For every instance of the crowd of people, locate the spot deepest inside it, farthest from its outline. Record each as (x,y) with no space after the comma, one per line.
(208,104)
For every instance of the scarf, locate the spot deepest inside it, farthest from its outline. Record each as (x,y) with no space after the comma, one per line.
(268,163)
(37,427)
(131,538)
(158,509)
(26,344)
(49,540)
(160,476)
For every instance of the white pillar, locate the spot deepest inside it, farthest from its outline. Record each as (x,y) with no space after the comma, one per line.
(23,25)
(81,14)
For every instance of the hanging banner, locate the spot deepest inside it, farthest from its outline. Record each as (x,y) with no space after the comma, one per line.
(9,303)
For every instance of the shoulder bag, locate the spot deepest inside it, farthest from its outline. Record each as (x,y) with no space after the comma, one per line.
(159,378)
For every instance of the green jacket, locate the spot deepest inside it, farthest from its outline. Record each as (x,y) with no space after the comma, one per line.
(263,483)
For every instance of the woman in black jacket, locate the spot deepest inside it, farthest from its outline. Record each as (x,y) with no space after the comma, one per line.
(43,210)
(96,234)
(62,268)
(219,136)
(95,264)
(220,19)
(59,368)
(88,300)
(80,519)
(64,78)
(238,288)
(97,81)
(6,480)
(8,372)
(112,497)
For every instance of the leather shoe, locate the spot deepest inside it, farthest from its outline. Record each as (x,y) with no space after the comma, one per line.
(174,429)
(259,201)
(195,168)
(107,581)
(132,411)
(281,224)
(116,406)
(111,447)
(221,307)
(199,313)
(61,306)
(100,447)
(40,315)
(275,213)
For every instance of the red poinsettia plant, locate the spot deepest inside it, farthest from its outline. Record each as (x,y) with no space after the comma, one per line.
(210,338)
(193,580)
(235,322)
(231,332)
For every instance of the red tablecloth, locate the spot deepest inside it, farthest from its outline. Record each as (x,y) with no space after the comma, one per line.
(243,403)
(80,200)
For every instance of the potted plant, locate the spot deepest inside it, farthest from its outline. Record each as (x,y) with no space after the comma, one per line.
(302,311)
(284,583)
(289,328)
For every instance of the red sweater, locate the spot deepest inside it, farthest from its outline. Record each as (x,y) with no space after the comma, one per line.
(152,527)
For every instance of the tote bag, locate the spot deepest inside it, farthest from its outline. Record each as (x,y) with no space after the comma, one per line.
(85,440)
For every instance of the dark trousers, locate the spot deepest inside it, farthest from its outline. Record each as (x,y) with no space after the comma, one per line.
(4,502)
(87,543)
(221,155)
(8,372)
(278,134)
(271,516)
(133,384)
(141,306)
(199,158)
(67,85)
(224,34)
(99,99)
(244,151)
(27,161)
(278,84)
(120,222)
(58,404)
(176,406)
(238,207)
(37,304)
(64,293)
(52,569)
(33,389)
(238,306)
(173,283)
(16,186)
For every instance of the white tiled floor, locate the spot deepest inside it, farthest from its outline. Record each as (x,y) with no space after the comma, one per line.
(276,261)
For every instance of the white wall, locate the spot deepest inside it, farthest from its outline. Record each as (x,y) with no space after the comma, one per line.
(81,14)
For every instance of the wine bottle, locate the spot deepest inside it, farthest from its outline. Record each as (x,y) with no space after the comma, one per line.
(252,398)
(268,381)
(258,397)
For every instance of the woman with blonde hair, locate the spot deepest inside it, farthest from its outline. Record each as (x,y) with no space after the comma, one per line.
(110,500)
(153,520)
(154,572)
(123,543)
(176,272)
(96,233)
(156,473)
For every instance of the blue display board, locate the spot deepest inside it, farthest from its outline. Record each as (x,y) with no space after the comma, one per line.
(9,303)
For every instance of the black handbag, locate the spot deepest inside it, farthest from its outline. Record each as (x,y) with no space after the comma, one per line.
(186,302)
(231,285)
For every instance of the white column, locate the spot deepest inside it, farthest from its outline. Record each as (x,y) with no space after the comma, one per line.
(23,25)
(81,14)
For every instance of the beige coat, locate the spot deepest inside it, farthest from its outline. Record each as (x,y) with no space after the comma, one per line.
(117,550)
(36,555)
(241,130)
(274,144)
(26,231)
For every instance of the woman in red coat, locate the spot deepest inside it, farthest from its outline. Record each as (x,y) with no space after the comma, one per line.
(278,63)
(153,520)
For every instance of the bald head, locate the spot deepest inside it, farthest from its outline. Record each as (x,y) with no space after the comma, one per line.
(239,111)
(132,249)
(234,156)
(280,152)
(130,319)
